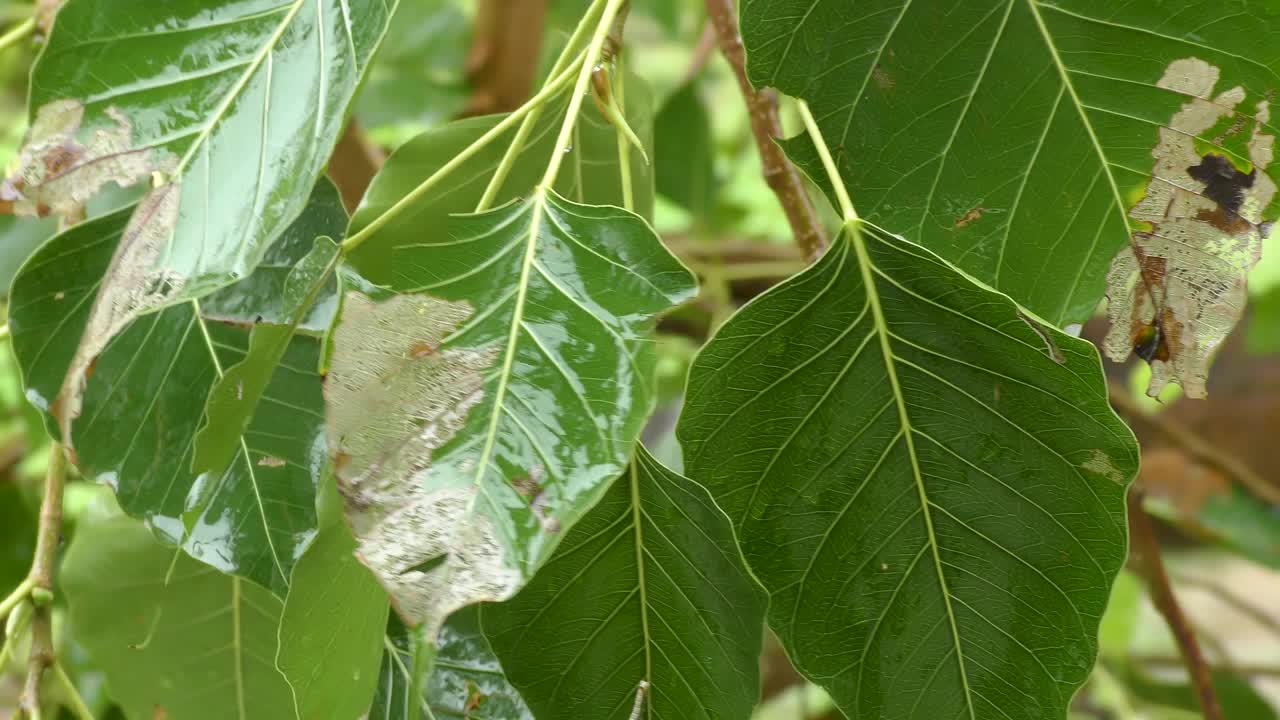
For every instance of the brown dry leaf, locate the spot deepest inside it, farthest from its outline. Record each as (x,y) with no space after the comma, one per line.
(55,174)
(1177,291)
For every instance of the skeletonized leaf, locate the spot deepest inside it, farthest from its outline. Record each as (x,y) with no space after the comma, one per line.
(648,588)
(198,646)
(479,414)
(929,482)
(201,98)
(145,398)
(1026,140)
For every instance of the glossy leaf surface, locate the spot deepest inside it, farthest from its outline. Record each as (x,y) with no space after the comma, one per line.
(928,481)
(247,95)
(450,405)
(1016,137)
(144,404)
(588,175)
(465,683)
(200,646)
(649,586)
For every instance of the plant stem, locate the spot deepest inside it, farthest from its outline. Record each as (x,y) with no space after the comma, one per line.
(762,108)
(77,703)
(842,193)
(624,145)
(1151,566)
(1196,446)
(19,594)
(580,90)
(17,34)
(551,89)
(522,135)
(41,577)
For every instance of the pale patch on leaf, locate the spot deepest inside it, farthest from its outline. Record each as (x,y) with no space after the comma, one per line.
(130,287)
(1179,289)
(391,405)
(54,174)
(1100,463)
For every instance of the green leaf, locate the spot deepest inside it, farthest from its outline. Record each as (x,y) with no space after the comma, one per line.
(480,414)
(331,628)
(418,78)
(589,175)
(928,481)
(144,403)
(466,681)
(198,646)
(197,99)
(235,396)
(1016,139)
(685,170)
(648,588)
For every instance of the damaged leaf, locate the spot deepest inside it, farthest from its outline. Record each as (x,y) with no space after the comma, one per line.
(1012,137)
(1176,294)
(648,589)
(449,405)
(144,401)
(246,95)
(929,484)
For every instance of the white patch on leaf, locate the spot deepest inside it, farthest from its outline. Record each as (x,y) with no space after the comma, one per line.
(394,398)
(1177,291)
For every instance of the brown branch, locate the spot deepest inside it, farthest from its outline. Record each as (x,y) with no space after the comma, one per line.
(1196,446)
(1148,563)
(502,62)
(48,537)
(762,107)
(353,164)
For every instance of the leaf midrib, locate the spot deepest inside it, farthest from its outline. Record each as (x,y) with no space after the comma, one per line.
(853,227)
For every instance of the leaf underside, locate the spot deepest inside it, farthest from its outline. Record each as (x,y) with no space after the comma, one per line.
(929,483)
(448,403)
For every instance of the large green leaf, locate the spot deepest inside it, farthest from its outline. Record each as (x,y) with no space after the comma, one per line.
(928,481)
(175,637)
(465,683)
(478,415)
(1016,139)
(649,588)
(145,398)
(589,175)
(229,108)
(684,159)
(332,623)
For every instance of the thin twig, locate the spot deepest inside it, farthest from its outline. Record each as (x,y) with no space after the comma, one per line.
(1257,614)
(1161,661)
(762,107)
(1198,447)
(19,32)
(1151,566)
(701,53)
(42,569)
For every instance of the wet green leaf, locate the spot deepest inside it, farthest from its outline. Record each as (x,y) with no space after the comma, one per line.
(144,403)
(332,624)
(198,646)
(929,482)
(648,587)
(1013,137)
(478,414)
(589,175)
(466,681)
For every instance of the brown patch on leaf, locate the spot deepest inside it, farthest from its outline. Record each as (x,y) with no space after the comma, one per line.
(56,175)
(1179,288)
(882,78)
(271,461)
(970,217)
